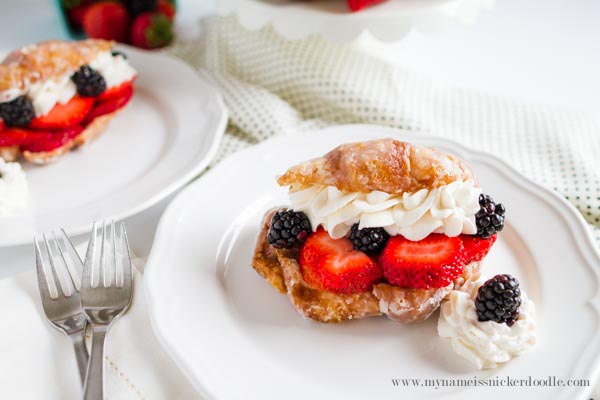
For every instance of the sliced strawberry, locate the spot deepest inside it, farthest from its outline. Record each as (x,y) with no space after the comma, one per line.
(110,105)
(433,262)
(116,91)
(333,265)
(477,248)
(64,115)
(357,5)
(13,137)
(37,141)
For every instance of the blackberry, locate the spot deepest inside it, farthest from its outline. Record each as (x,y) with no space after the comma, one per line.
(490,217)
(89,82)
(18,112)
(368,240)
(117,53)
(499,299)
(288,229)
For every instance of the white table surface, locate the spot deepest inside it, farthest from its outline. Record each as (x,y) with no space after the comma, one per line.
(540,50)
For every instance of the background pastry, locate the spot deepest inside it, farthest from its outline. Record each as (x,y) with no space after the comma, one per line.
(57,95)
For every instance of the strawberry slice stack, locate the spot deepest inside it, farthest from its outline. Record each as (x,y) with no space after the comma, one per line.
(368,256)
(434,262)
(66,121)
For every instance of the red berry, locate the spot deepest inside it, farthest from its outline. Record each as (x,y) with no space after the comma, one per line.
(75,16)
(110,105)
(13,137)
(37,141)
(106,20)
(476,248)
(333,265)
(433,262)
(167,8)
(357,5)
(64,115)
(116,91)
(48,141)
(151,30)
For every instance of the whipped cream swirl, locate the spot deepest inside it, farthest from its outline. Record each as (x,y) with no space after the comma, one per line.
(448,209)
(46,94)
(485,344)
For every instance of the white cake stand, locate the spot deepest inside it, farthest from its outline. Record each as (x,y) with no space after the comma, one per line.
(389,21)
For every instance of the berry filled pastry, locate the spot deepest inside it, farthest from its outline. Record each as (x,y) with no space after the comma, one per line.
(377,227)
(58,95)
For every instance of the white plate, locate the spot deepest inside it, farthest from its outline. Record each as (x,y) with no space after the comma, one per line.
(235,337)
(389,21)
(162,139)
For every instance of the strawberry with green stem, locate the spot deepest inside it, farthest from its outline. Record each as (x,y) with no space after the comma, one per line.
(151,30)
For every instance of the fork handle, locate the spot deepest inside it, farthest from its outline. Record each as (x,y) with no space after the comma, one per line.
(93,389)
(81,352)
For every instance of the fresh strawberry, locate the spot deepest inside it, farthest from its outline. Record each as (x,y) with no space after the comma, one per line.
(13,137)
(167,8)
(64,115)
(476,248)
(150,30)
(429,263)
(75,16)
(357,5)
(116,91)
(48,141)
(109,105)
(2,126)
(334,265)
(36,141)
(106,20)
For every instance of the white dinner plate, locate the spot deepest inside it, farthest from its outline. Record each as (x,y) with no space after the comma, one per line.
(235,337)
(163,138)
(389,21)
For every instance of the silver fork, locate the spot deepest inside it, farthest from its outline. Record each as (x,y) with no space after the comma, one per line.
(60,297)
(106,290)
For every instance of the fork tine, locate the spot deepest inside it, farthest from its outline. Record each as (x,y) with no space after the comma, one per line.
(77,266)
(125,260)
(58,284)
(88,266)
(102,271)
(68,265)
(113,276)
(41,272)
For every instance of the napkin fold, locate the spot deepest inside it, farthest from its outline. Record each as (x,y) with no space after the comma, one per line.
(38,361)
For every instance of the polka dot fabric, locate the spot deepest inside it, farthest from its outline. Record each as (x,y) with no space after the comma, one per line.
(274,86)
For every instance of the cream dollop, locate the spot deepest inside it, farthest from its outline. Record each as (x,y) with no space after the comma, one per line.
(13,189)
(448,209)
(485,344)
(45,95)
(114,69)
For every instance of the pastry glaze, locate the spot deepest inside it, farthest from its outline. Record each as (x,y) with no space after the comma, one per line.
(47,60)
(385,165)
